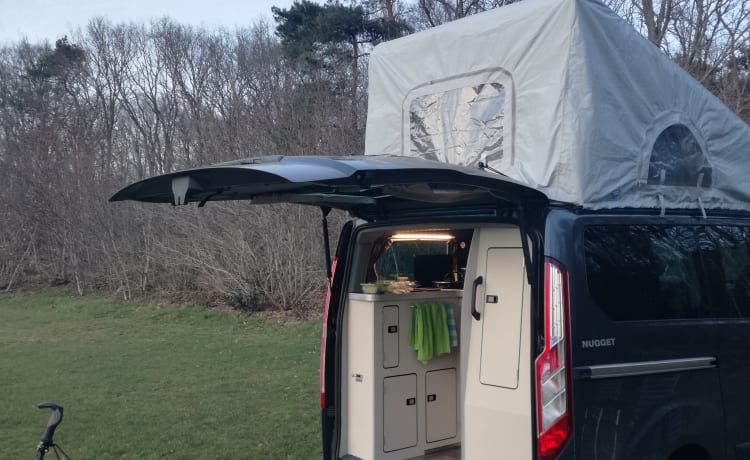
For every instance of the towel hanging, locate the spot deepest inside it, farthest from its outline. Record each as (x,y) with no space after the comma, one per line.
(429,335)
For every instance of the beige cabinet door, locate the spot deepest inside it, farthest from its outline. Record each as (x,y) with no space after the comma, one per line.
(391,334)
(504,281)
(399,412)
(441,405)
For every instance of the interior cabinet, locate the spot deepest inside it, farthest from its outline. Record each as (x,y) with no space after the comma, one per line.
(396,407)
(399,412)
(441,406)
(390,336)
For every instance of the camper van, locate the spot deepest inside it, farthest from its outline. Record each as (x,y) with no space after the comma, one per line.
(548,251)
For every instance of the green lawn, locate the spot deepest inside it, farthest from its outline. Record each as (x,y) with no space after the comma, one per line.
(156,383)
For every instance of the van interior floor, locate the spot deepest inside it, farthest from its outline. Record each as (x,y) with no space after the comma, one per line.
(449,453)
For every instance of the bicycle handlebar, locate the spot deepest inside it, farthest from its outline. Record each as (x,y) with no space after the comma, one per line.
(54,419)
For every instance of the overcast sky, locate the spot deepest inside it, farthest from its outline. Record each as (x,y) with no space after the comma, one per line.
(51,19)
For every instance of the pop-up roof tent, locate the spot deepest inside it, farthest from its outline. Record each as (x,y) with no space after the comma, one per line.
(566,97)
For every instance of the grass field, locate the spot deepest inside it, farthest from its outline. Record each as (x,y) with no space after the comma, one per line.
(156,383)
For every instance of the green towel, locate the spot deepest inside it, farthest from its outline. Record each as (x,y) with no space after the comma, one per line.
(428,334)
(441,337)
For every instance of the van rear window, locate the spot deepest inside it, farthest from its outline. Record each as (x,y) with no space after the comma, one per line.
(652,272)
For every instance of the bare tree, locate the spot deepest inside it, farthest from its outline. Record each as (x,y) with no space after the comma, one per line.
(121,102)
(431,13)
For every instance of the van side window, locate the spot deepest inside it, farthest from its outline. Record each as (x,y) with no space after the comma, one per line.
(651,272)
(727,261)
(643,272)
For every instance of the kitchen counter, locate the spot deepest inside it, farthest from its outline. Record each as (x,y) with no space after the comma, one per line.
(422,295)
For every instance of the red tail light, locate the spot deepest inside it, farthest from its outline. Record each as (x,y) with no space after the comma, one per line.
(323,338)
(553,385)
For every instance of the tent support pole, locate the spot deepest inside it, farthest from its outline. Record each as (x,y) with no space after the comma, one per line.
(528,261)
(326,243)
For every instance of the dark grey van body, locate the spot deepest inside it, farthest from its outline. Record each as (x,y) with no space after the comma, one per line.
(656,311)
(659,326)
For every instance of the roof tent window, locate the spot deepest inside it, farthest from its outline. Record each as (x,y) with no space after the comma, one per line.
(677,159)
(463,125)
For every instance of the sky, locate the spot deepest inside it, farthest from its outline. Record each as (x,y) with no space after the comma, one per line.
(38,20)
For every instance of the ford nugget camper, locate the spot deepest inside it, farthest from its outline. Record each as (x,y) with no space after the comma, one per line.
(564,215)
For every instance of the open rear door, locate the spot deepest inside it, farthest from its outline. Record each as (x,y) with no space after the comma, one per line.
(371,187)
(497,388)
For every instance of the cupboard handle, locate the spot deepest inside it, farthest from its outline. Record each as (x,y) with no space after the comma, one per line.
(474,311)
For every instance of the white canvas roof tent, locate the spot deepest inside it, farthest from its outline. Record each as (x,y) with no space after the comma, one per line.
(563,96)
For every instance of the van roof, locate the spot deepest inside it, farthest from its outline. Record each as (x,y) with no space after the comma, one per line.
(565,97)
